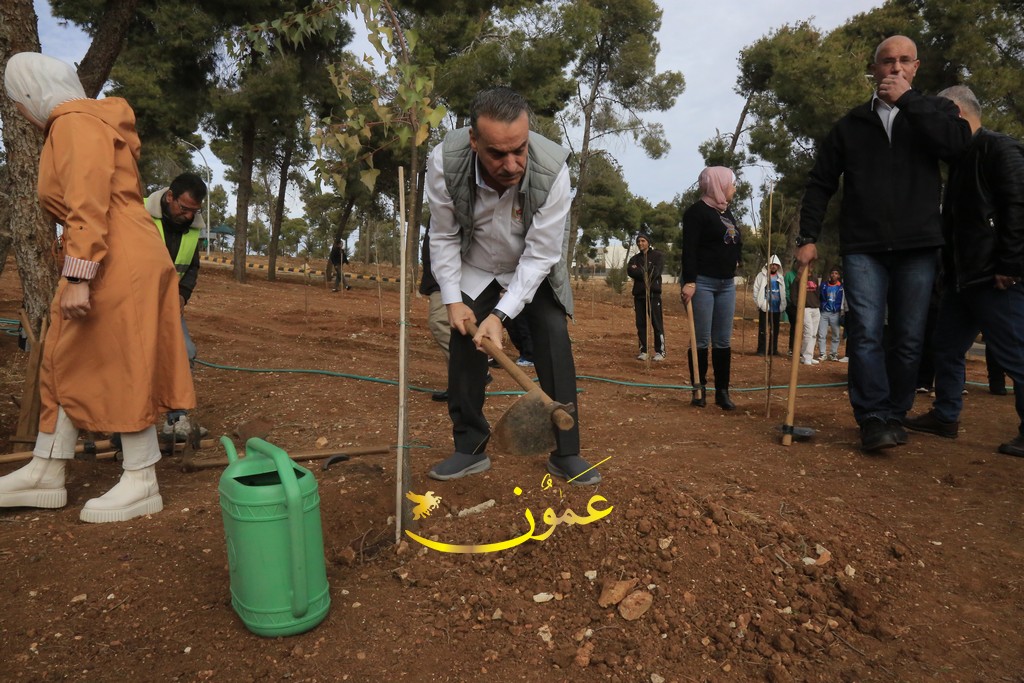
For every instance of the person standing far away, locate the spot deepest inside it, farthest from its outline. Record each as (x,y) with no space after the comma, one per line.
(712,248)
(337,259)
(887,152)
(645,269)
(983,221)
(177,211)
(114,358)
(499,219)
(832,307)
(791,275)
(770,295)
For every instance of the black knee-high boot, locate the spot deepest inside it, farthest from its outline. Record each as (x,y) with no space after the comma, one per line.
(702,366)
(721,360)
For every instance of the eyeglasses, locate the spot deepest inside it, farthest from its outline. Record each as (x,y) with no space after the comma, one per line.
(184,208)
(890,62)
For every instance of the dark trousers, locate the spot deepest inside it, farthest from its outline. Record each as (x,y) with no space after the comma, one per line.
(996,375)
(999,315)
(762,324)
(467,370)
(518,329)
(657,322)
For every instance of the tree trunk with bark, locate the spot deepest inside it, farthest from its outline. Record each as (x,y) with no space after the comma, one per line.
(275,224)
(248,142)
(26,228)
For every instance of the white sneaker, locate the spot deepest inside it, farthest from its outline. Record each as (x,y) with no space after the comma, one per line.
(659,357)
(812,361)
(39,484)
(844,359)
(136,494)
(642,356)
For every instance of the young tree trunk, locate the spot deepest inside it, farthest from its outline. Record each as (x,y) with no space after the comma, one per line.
(248,140)
(26,228)
(275,224)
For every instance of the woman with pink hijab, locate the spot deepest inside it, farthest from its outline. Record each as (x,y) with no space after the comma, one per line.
(711,252)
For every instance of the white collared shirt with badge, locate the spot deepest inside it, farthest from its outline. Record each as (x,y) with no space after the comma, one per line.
(501,249)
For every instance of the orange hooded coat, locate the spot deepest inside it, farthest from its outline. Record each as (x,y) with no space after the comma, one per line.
(122,365)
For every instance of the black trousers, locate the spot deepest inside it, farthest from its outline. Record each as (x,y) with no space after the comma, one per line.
(553,362)
(762,323)
(657,322)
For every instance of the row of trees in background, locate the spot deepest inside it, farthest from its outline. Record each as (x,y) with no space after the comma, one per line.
(272,84)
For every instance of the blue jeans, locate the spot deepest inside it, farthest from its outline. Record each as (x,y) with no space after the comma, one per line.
(999,315)
(899,283)
(714,305)
(829,321)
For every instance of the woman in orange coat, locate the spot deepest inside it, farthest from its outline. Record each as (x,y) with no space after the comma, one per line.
(114,358)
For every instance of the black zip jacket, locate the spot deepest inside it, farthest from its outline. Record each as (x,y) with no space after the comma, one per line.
(653,262)
(891,191)
(983,212)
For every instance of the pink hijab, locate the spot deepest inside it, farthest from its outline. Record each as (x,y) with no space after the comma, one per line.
(714,183)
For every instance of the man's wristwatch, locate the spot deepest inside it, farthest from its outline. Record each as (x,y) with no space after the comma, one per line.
(801,240)
(500,315)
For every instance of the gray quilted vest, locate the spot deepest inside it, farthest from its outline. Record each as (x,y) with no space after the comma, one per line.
(544,163)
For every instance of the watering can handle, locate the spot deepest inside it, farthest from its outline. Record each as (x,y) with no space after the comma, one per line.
(229,447)
(296,529)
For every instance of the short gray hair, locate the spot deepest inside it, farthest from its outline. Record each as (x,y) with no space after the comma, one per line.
(500,103)
(964,98)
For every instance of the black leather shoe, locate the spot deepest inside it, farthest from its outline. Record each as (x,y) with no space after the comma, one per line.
(875,435)
(929,423)
(723,401)
(998,391)
(898,432)
(1014,447)
(439,396)
(699,402)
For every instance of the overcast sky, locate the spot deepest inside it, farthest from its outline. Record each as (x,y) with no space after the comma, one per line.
(702,40)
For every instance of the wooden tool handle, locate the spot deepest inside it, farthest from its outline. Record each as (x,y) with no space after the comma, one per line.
(560,416)
(698,386)
(794,370)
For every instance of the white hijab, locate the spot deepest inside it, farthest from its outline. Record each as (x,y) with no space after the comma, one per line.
(40,83)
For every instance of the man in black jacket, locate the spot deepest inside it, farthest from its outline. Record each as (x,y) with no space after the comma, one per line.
(645,269)
(983,222)
(887,152)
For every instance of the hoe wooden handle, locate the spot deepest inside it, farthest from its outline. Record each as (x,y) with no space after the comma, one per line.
(560,416)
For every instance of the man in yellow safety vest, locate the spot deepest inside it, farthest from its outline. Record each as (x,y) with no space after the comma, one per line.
(177,212)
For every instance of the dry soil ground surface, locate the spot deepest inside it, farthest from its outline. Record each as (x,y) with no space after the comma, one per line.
(758,561)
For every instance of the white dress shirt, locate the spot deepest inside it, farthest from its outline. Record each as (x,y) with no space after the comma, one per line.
(501,249)
(886,113)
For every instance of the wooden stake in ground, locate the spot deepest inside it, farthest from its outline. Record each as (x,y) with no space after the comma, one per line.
(403,517)
(28,413)
(794,370)
(380,292)
(768,316)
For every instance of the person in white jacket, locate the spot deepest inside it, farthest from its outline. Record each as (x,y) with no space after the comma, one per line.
(770,297)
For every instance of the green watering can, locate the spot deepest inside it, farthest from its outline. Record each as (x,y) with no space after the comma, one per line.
(271,512)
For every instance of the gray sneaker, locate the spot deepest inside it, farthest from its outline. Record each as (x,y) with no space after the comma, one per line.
(460,465)
(659,357)
(642,356)
(574,469)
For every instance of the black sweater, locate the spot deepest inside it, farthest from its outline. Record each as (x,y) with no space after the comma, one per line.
(705,250)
